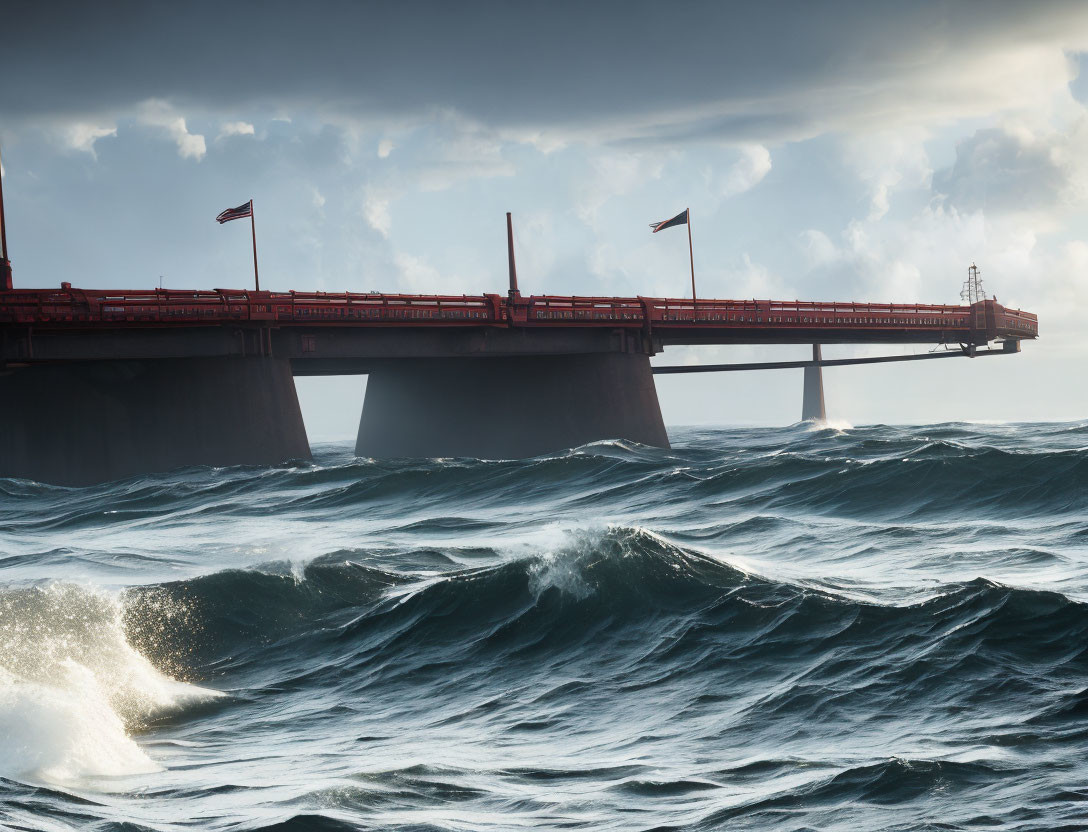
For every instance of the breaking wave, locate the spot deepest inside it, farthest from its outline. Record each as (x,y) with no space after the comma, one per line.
(835,628)
(72,687)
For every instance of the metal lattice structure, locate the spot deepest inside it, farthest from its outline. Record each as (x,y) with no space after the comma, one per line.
(972,291)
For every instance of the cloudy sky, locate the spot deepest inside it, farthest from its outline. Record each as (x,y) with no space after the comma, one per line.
(839,151)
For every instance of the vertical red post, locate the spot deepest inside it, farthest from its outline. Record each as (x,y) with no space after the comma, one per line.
(253,227)
(5,264)
(510,251)
(691,255)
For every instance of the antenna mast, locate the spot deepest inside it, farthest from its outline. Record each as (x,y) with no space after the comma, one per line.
(5,264)
(972,291)
(514,293)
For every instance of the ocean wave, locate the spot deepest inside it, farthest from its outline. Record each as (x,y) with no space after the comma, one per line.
(668,610)
(876,627)
(72,687)
(938,473)
(863,791)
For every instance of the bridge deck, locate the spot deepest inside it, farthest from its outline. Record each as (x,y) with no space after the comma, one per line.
(664,320)
(92,380)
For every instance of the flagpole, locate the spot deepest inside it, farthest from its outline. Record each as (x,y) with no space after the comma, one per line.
(5,264)
(253,227)
(691,255)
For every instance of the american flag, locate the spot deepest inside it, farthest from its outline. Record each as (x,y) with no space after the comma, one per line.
(679,219)
(241,212)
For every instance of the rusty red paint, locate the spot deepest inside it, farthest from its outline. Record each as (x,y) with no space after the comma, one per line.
(168,308)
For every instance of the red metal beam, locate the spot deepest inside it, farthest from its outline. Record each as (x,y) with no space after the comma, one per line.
(830,362)
(68,307)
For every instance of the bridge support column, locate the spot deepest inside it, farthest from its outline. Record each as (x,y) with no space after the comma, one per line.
(77,424)
(812,407)
(508,408)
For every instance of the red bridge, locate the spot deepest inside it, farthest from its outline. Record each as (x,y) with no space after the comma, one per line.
(98,384)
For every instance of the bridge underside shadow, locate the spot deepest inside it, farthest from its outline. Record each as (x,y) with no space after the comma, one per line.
(508,407)
(82,423)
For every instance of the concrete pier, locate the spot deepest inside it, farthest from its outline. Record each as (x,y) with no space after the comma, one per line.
(812,406)
(508,408)
(82,423)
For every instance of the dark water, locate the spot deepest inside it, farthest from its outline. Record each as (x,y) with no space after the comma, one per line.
(869,628)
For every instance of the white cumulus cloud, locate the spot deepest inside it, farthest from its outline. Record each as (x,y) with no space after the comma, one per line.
(82,136)
(235,128)
(157,113)
(1013,169)
(889,160)
(376,211)
(748,171)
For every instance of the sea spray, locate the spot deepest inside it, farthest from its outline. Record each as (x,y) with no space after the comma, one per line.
(72,688)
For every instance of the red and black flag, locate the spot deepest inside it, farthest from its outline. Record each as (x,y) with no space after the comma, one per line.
(679,219)
(243,211)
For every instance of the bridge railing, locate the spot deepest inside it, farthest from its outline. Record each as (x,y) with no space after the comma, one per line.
(404,310)
(591,310)
(219,305)
(1018,322)
(574,310)
(684,313)
(207,307)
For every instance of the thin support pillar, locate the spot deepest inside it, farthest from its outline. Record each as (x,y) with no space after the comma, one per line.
(812,407)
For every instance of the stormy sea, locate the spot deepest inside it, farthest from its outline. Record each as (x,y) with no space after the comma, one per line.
(798,628)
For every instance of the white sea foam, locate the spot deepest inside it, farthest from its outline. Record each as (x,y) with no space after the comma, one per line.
(839,425)
(559,571)
(72,688)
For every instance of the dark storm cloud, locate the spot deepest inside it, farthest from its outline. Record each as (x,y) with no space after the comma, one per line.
(506,64)
(998,171)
